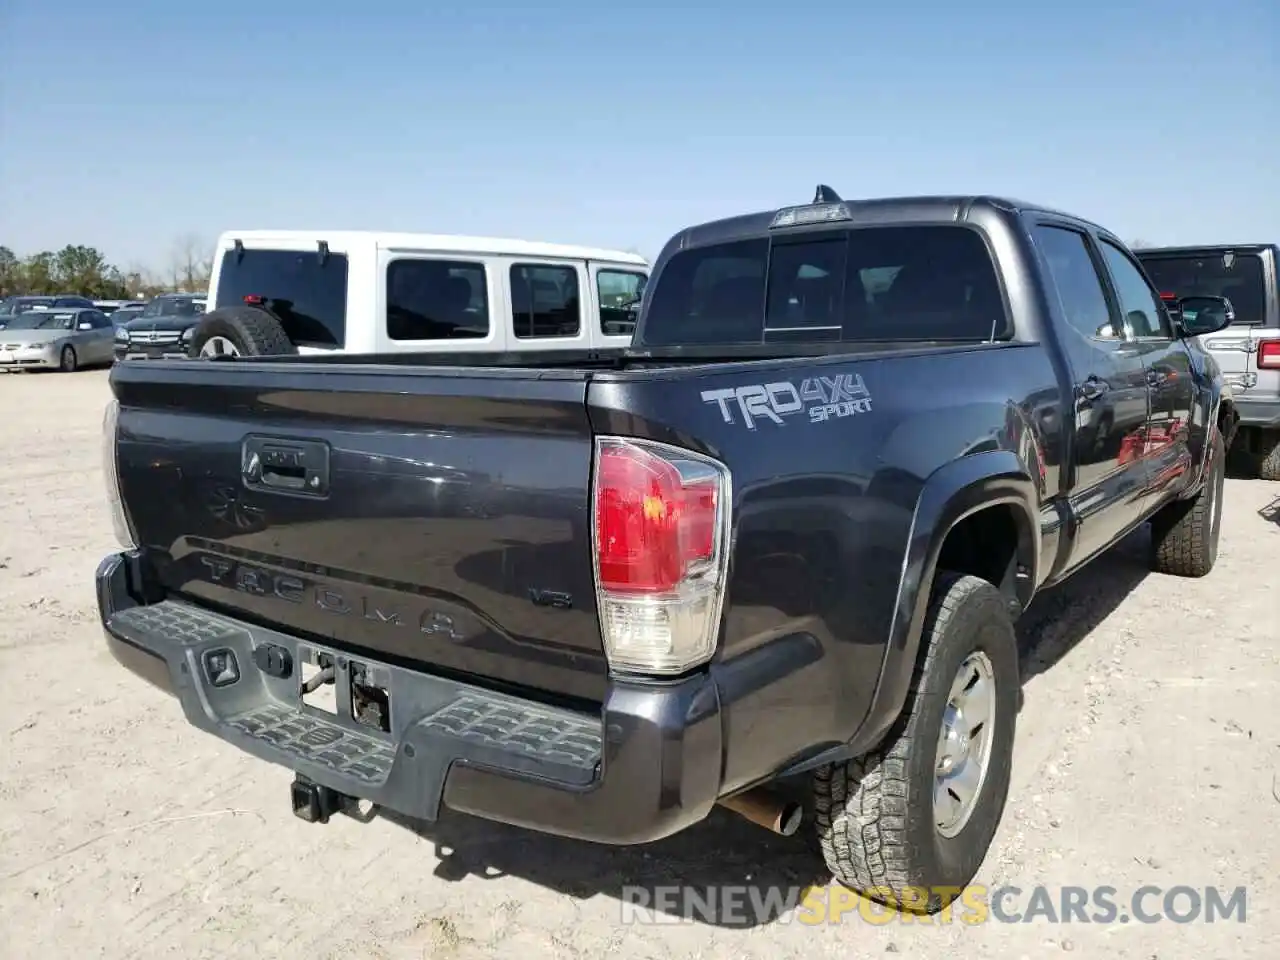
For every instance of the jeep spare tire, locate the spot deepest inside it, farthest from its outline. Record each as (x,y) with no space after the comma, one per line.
(239,332)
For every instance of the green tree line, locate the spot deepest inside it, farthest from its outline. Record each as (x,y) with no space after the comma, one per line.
(84,270)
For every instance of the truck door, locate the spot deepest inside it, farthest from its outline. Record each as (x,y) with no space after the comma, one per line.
(1107,422)
(1171,391)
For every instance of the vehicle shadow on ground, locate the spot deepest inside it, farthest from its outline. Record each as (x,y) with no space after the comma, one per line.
(766,873)
(1271,512)
(1064,615)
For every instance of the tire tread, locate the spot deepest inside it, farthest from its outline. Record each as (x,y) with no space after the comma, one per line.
(861,805)
(1181,533)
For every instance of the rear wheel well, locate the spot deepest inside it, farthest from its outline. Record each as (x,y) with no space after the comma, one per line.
(993,544)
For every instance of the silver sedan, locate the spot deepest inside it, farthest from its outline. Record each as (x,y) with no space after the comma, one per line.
(65,339)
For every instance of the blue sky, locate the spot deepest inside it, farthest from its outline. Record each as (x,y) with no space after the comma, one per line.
(128,124)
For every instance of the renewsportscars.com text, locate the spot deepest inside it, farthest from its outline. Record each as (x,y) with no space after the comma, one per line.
(973,905)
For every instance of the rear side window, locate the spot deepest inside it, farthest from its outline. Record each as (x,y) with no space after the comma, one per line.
(308,296)
(912,283)
(545,301)
(619,294)
(1238,277)
(437,300)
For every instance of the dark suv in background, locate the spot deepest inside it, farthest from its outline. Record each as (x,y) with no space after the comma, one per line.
(11,307)
(162,329)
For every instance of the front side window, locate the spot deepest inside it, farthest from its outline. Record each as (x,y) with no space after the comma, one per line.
(1080,290)
(545,301)
(1141,307)
(892,283)
(437,300)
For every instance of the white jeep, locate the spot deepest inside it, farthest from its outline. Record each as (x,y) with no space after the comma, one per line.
(312,291)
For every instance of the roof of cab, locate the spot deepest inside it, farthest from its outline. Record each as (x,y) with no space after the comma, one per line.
(1207,248)
(453,243)
(881,211)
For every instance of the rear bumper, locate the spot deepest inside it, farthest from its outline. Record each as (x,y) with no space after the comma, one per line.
(1258,412)
(646,767)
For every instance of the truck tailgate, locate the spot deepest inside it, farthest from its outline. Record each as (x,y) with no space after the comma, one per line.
(443,523)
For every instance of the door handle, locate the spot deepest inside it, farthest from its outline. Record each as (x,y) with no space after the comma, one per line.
(1091,389)
(299,467)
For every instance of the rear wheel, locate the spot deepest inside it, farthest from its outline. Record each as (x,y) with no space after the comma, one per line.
(909,824)
(1184,534)
(68,362)
(239,332)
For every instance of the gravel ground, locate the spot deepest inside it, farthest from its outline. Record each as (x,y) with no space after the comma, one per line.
(1148,754)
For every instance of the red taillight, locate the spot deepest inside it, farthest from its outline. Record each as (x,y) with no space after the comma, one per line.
(653,526)
(1168,296)
(661,553)
(1269,355)
(254,299)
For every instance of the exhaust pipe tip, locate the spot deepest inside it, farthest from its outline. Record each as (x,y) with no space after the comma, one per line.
(765,809)
(789,819)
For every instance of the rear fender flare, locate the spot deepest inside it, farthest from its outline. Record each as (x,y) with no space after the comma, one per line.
(1217,402)
(956,491)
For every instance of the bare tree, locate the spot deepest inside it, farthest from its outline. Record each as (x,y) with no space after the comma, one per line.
(191,264)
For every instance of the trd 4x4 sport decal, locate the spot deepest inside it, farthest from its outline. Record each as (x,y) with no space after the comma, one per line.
(825,398)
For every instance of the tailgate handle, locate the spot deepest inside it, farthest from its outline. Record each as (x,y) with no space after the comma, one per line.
(298,467)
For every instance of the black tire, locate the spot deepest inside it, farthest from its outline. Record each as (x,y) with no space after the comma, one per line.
(875,814)
(1269,454)
(1184,534)
(250,331)
(68,362)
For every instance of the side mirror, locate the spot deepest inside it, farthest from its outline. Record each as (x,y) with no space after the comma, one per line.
(1197,316)
(85,326)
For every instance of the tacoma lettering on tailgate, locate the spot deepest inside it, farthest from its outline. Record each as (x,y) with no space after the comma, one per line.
(283,586)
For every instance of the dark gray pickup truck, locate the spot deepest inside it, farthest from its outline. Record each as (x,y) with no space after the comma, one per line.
(782,540)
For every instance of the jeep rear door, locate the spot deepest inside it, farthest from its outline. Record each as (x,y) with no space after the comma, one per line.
(301,281)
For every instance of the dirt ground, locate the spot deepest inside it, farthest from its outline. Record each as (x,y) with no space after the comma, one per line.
(1148,753)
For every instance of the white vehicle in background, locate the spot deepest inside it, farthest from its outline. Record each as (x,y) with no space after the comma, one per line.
(316,291)
(1248,349)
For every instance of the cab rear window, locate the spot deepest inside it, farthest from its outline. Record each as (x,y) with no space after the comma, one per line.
(307,294)
(899,283)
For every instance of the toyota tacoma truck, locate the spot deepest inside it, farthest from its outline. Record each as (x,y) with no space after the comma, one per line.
(781,540)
